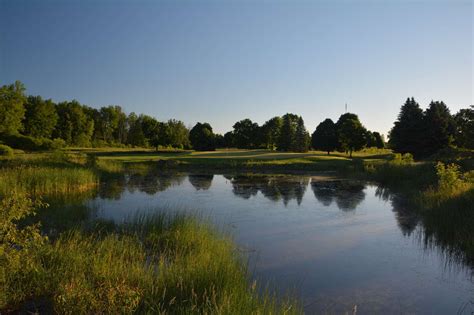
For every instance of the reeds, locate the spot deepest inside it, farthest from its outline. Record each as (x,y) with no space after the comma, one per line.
(40,180)
(160,264)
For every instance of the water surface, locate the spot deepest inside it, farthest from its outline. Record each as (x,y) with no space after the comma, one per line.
(336,244)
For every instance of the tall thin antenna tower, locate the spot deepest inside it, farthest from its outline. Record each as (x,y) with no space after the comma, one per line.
(346,108)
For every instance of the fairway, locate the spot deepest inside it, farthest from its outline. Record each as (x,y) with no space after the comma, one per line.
(132,155)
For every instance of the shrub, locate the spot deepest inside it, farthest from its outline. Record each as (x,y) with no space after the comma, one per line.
(405,158)
(449,176)
(21,275)
(5,150)
(58,143)
(27,143)
(18,141)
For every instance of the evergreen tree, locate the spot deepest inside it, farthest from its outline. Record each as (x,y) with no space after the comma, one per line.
(407,132)
(286,140)
(439,128)
(324,138)
(301,143)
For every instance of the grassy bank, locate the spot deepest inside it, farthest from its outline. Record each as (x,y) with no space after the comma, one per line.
(161,264)
(46,174)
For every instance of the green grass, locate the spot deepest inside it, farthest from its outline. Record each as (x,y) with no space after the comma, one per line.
(157,264)
(46,180)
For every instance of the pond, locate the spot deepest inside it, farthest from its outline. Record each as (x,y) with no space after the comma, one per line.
(336,244)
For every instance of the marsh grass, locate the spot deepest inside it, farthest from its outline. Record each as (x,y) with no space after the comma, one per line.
(160,264)
(46,180)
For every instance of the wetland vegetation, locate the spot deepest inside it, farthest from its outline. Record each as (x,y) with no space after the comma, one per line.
(60,255)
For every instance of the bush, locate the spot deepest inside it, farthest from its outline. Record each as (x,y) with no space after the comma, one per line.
(449,176)
(58,143)
(27,143)
(405,158)
(21,273)
(5,150)
(18,141)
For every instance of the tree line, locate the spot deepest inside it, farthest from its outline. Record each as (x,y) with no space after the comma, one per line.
(31,122)
(426,132)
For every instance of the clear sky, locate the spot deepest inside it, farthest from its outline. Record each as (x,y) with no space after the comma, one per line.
(222,61)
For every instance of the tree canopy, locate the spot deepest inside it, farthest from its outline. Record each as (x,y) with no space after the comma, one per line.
(464,120)
(12,110)
(202,137)
(324,138)
(38,122)
(245,134)
(351,133)
(40,117)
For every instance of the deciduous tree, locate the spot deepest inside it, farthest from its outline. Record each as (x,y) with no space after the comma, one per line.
(324,138)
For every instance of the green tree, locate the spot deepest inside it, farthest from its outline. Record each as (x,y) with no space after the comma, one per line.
(219,140)
(112,124)
(406,135)
(40,117)
(439,130)
(301,143)
(74,125)
(135,136)
(324,138)
(379,140)
(229,139)
(350,132)
(286,141)
(246,134)
(202,137)
(271,132)
(176,134)
(370,139)
(465,128)
(12,110)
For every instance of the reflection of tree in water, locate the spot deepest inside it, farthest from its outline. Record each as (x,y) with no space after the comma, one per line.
(433,232)
(149,181)
(112,187)
(407,219)
(346,194)
(201,181)
(274,188)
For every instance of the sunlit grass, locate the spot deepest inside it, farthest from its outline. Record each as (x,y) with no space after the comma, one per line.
(173,264)
(46,180)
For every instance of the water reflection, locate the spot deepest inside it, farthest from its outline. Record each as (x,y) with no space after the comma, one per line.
(274,188)
(311,244)
(346,194)
(201,182)
(407,219)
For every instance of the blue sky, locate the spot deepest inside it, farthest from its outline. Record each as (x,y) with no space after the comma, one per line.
(222,61)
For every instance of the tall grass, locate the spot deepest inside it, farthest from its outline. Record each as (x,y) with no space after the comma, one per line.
(161,264)
(46,180)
